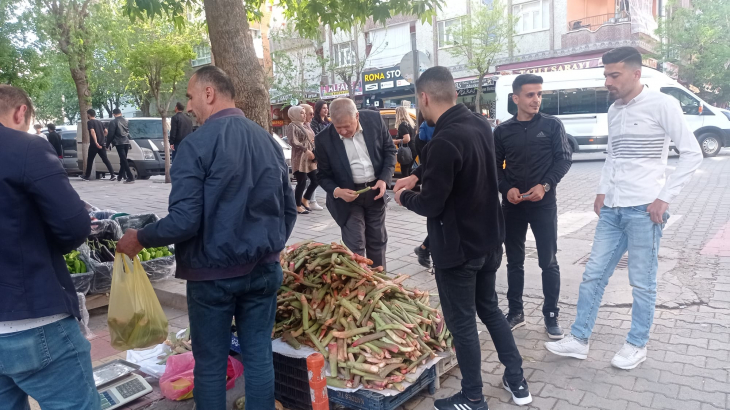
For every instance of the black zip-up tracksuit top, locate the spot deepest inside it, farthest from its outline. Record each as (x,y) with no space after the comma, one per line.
(536,152)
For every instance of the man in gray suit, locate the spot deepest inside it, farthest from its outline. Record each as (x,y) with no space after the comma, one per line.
(357,152)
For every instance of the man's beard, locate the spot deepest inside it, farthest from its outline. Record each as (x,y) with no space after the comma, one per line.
(430,123)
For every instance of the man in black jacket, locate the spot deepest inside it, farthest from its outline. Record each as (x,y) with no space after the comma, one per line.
(537,155)
(180,127)
(459,196)
(118,135)
(357,152)
(97,145)
(42,351)
(55,139)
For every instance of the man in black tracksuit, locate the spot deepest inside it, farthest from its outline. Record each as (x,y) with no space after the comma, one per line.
(459,196)
(533,155)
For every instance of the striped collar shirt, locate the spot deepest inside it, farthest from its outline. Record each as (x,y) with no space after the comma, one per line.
(635,171)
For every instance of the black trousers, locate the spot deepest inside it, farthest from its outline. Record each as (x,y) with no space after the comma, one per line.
(544,223)
(467,291)
(406,169)
(124,171)
(301,178)
(93,152)
(364,233)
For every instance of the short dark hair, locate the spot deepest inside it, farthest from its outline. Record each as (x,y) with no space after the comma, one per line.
(218,78)
(116,111)
(627,55)
(180,106)
(91,113)
(523,79)
(438,83)
(38,126)
(51,127)
(13,97)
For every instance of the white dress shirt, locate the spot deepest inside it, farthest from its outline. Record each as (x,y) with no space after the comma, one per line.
(357,153)
(638,146)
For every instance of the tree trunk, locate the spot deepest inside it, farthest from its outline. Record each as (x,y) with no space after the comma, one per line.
(166,142)
(479,93)
(82,90)
(232,45)
(145,106)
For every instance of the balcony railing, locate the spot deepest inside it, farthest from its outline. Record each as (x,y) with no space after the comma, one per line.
(593,23)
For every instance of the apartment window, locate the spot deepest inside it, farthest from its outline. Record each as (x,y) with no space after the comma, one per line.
(255,33)
(202,55)
(445,29)
(532,16)
(344,54)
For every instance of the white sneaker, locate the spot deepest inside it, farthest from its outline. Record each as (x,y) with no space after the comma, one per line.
(629,357)
(568,347)
(314,206)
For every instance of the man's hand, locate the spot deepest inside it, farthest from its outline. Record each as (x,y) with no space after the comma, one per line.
(406,183)
(397,196)
(537,193)
(310,155)
(598,204)
(347,195)
(129,245)
(657,209)
(98,146)
(382,187)
(172,147)
(514,196)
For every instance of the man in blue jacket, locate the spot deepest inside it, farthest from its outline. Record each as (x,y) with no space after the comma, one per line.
(42,351)
(231,212)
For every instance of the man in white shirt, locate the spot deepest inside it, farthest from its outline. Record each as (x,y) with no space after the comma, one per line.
(632,203)
(357,153)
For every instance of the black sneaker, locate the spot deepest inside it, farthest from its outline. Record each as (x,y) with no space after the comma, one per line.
(112,178)
(424,256)
(460,402)
(129,181)
(553,328)
(84,178)
(515,320)
(520,392)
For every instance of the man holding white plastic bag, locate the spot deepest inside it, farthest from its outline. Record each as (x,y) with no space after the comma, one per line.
(231,212)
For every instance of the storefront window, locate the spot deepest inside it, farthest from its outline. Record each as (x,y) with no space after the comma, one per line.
(489,102)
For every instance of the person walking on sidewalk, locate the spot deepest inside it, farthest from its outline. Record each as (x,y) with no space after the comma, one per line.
(460,198)
(231,212)
(97,146)
(303,165)
(537,154)
(42,351)
(320,119)
(425,133)
(310,203)
(355,153)
(406,138)
(180,127)
(632,203)
(55,139)
(118,135)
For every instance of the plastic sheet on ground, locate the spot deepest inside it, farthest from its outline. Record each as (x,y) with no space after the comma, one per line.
(281,347)
(177,382)
(137,221)
(148,359)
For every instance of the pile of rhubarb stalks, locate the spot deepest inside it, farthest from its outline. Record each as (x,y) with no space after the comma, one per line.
(371,329)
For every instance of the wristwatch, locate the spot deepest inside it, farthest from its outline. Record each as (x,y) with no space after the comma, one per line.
(546,186)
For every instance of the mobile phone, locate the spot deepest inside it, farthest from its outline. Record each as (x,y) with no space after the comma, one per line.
(526,195)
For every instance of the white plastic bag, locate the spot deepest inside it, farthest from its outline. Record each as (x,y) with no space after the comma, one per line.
(149,360)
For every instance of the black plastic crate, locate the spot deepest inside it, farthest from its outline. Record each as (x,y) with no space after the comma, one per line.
(367,400)
(291,384)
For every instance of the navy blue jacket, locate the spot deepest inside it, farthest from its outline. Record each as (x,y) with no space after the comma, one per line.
(231,204)
(41,219)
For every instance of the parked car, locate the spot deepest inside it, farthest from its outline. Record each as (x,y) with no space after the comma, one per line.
(70,155)
(146,155)
(287,150)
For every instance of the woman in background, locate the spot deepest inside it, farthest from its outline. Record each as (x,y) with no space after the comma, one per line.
(303,165)
(321,119)
(310,203)
(406,137)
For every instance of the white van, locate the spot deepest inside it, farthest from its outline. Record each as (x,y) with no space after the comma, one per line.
(581,101)
(146,156)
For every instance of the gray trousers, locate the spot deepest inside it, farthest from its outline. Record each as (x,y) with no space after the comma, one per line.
(364,233)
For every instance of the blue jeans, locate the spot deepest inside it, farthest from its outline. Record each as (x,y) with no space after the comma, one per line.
(620,230)
(211,308)
(52,364)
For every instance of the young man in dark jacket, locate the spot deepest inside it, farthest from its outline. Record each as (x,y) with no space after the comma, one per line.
(118,135)
(459,197)
(180,127)
(42,351)
(537,155)
(55,139)
(97,146)
(231,212)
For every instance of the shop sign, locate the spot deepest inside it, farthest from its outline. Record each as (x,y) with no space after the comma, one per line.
(649,62)
(569,66)
(469,87)
(337,90)
(277,123)
(386,79)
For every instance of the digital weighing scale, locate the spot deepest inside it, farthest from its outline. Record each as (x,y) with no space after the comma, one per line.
(117,385)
